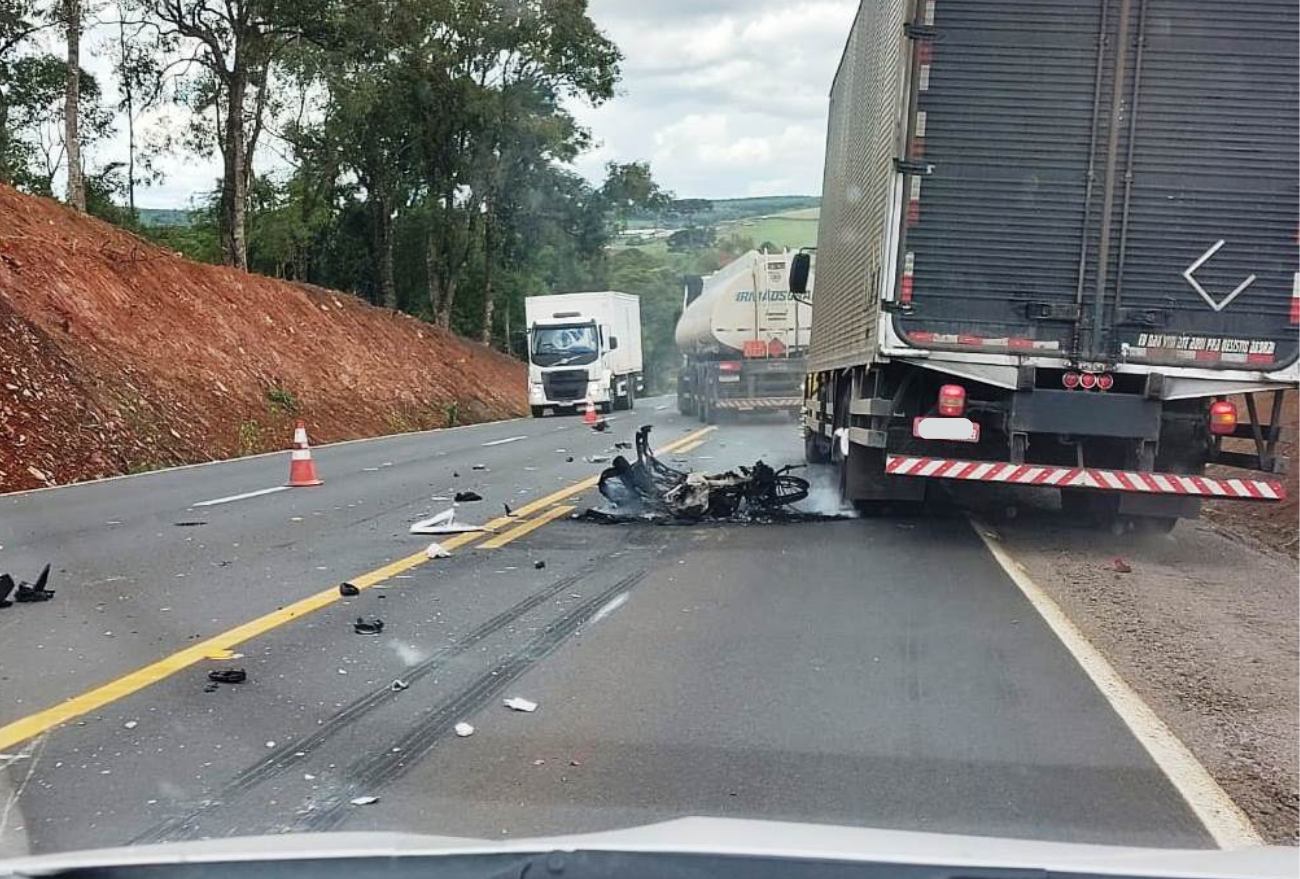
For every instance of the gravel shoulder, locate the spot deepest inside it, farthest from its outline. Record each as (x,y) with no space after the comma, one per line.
(1205,628)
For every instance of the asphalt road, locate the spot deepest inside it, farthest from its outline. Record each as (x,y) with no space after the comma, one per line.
(877,672)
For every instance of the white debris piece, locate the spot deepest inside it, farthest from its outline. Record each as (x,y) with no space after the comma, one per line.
(444,523)
(364,801)
(517,704)
(464,730)
(270,744)
(131,724)
(437,551)
(398,686)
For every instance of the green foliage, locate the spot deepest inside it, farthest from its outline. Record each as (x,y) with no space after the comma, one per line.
(280,399)
(250,438)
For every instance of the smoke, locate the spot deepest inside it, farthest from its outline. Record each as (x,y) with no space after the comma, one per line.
(824,495)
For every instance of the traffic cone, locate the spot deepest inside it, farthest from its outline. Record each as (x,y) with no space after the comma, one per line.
(590,418)
(302,470)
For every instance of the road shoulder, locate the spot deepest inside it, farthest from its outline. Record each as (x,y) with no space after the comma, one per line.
(1205,629)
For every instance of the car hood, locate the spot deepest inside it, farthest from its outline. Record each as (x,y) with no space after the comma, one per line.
(709,836)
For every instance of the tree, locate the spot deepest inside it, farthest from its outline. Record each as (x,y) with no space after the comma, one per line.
(236,44)
(72,103)
(19,22)
(135,50)
(631,188)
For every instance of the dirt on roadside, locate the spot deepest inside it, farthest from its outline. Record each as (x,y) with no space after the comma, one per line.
(1205,628)
(119,356)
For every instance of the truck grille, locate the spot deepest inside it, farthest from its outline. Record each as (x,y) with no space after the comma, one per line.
(567,384)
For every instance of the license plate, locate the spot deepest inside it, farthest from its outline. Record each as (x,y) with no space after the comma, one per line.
(957,430)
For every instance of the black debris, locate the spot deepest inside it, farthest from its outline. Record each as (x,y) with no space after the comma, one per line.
(568,460)
(468,497)
(509,512)
(539,564)
(190,524)
(624,446)
(371,626)
(211,688)
(347,590)
(6,587)
(228,676)
(600,426)
(455,475)
(480,467)
(31,593)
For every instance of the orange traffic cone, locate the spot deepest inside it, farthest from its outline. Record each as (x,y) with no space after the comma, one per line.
(302,471)
(590,417)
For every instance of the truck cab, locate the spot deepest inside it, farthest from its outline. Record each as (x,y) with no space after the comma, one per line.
(583,348)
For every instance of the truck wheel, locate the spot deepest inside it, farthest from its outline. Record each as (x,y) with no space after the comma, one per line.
(815,448)
(1096,509)
(1153,524)
(539,411)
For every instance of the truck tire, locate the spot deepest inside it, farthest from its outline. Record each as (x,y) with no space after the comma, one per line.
(539,411)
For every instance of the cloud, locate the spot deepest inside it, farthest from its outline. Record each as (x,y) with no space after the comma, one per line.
(723,97)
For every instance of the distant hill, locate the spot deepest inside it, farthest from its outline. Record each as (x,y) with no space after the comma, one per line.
(164,216)
(727,210)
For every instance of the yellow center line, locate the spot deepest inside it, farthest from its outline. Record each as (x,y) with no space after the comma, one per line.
(690,447)
(526,528)
(33,725)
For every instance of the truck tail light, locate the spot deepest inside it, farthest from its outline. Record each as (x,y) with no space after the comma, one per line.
(1105,381)
(952,401)
(1071,380)
(729,366)
(1223,418)
(1088,381)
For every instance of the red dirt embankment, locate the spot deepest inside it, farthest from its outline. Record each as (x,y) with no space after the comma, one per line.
(119,356)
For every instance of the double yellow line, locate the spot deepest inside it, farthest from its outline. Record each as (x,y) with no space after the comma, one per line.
(33,725)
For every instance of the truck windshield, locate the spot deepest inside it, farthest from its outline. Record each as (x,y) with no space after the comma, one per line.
(577,345)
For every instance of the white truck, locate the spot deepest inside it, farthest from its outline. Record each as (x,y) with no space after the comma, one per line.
(743,339)
(583,347)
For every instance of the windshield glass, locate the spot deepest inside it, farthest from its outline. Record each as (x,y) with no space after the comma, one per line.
(504,418)
(567,345)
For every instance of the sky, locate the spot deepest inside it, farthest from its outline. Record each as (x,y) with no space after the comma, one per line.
(725,98)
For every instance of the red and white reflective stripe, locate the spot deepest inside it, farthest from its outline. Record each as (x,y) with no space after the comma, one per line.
(300,455)
(1295,299)
(760,403)
(1101,480)
(300,437)
(969,341)
(1132,352)
(914,202)
(909,267)
(918,137)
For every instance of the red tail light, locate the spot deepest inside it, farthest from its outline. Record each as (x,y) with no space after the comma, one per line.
(1105,382)
(1088,381)
(729,366)
(1071,380)
(1223,418)
(952,401)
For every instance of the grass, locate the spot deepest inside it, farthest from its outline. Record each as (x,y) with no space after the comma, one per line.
(783,230)
(281,399)
(250,438)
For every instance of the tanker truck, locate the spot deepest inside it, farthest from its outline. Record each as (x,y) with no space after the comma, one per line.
(742,337)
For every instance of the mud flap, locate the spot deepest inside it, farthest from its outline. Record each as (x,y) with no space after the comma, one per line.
(864,478)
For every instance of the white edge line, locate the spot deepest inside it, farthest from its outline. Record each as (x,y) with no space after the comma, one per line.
(614,604)
(248,495)
(505,442)
(365,439)
(1223,818)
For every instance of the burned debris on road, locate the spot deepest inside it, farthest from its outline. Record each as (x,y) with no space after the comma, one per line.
(650,490)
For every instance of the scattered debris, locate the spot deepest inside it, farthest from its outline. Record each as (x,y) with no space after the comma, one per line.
(399,685)
(600,426)
(131,724)
(481,468)
(228,676)
(623,446)
(517,704)
(270,744)
(368,626)
(190,524)
(1120,566)
(598,459)
(210,688)
(468,497)
(464,730)
(455,475)
(568,460)
(509,513)
(437,551)
(27,593)
(445,523)
(347,590)
(539,565)
(364,801)
(652,487)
